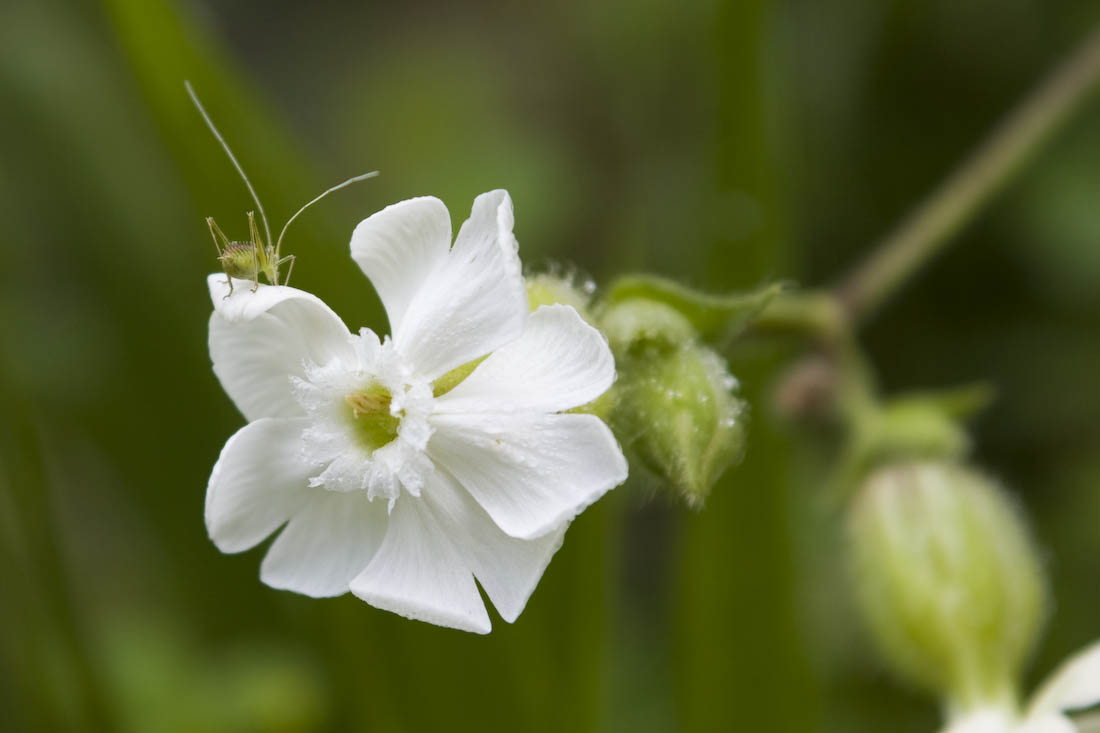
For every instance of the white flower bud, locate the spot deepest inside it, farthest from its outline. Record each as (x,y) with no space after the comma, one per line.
(948,580)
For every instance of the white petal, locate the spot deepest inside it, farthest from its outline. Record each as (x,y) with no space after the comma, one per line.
(990,720)
(259,481)
(473,302)
(508,569)
(326,544)
(259,340)
(399,247)
(1052,723)
(530,473)
(1073,686)
(418,574)
(559,362)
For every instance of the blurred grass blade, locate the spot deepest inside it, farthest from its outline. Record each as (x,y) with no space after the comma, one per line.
(50,656)
(740,660)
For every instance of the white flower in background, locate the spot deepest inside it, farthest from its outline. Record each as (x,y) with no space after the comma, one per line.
(1074,686)
(406,468)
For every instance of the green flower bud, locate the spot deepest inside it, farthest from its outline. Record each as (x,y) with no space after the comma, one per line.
(948,580)
(642,322)
(680,415)
(549,289)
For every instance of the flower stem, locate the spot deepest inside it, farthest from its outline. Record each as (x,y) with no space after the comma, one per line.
(931,226)
(829,318)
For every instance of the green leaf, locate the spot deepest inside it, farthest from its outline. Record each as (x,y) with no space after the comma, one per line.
(916,425)
(959,403)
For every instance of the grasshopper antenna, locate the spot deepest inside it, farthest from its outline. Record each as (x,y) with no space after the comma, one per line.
(232,158)
(346,183)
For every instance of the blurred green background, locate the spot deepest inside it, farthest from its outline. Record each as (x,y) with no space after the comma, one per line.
(725,144)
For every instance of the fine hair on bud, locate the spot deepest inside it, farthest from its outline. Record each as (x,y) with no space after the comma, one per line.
(559,285)
(948,580)
(681,416)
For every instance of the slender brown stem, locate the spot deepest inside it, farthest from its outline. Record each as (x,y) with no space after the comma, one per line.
(931,226)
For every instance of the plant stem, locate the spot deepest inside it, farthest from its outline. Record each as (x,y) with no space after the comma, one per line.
(830,317)
(810,313)
(930,227)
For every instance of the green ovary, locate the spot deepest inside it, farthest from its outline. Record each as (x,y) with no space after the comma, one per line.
(371,418)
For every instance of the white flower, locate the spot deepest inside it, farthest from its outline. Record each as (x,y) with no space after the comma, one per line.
(394,483)
(1073,686)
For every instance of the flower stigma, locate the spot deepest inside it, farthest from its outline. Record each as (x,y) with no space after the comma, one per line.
(372,419)
(369,421)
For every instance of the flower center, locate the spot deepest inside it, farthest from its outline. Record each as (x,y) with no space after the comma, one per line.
(371,418)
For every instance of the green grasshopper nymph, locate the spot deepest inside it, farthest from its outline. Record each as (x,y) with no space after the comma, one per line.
(248,260)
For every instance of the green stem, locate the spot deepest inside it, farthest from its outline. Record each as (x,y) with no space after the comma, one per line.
(813,314)
(829,318)
(930,227)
